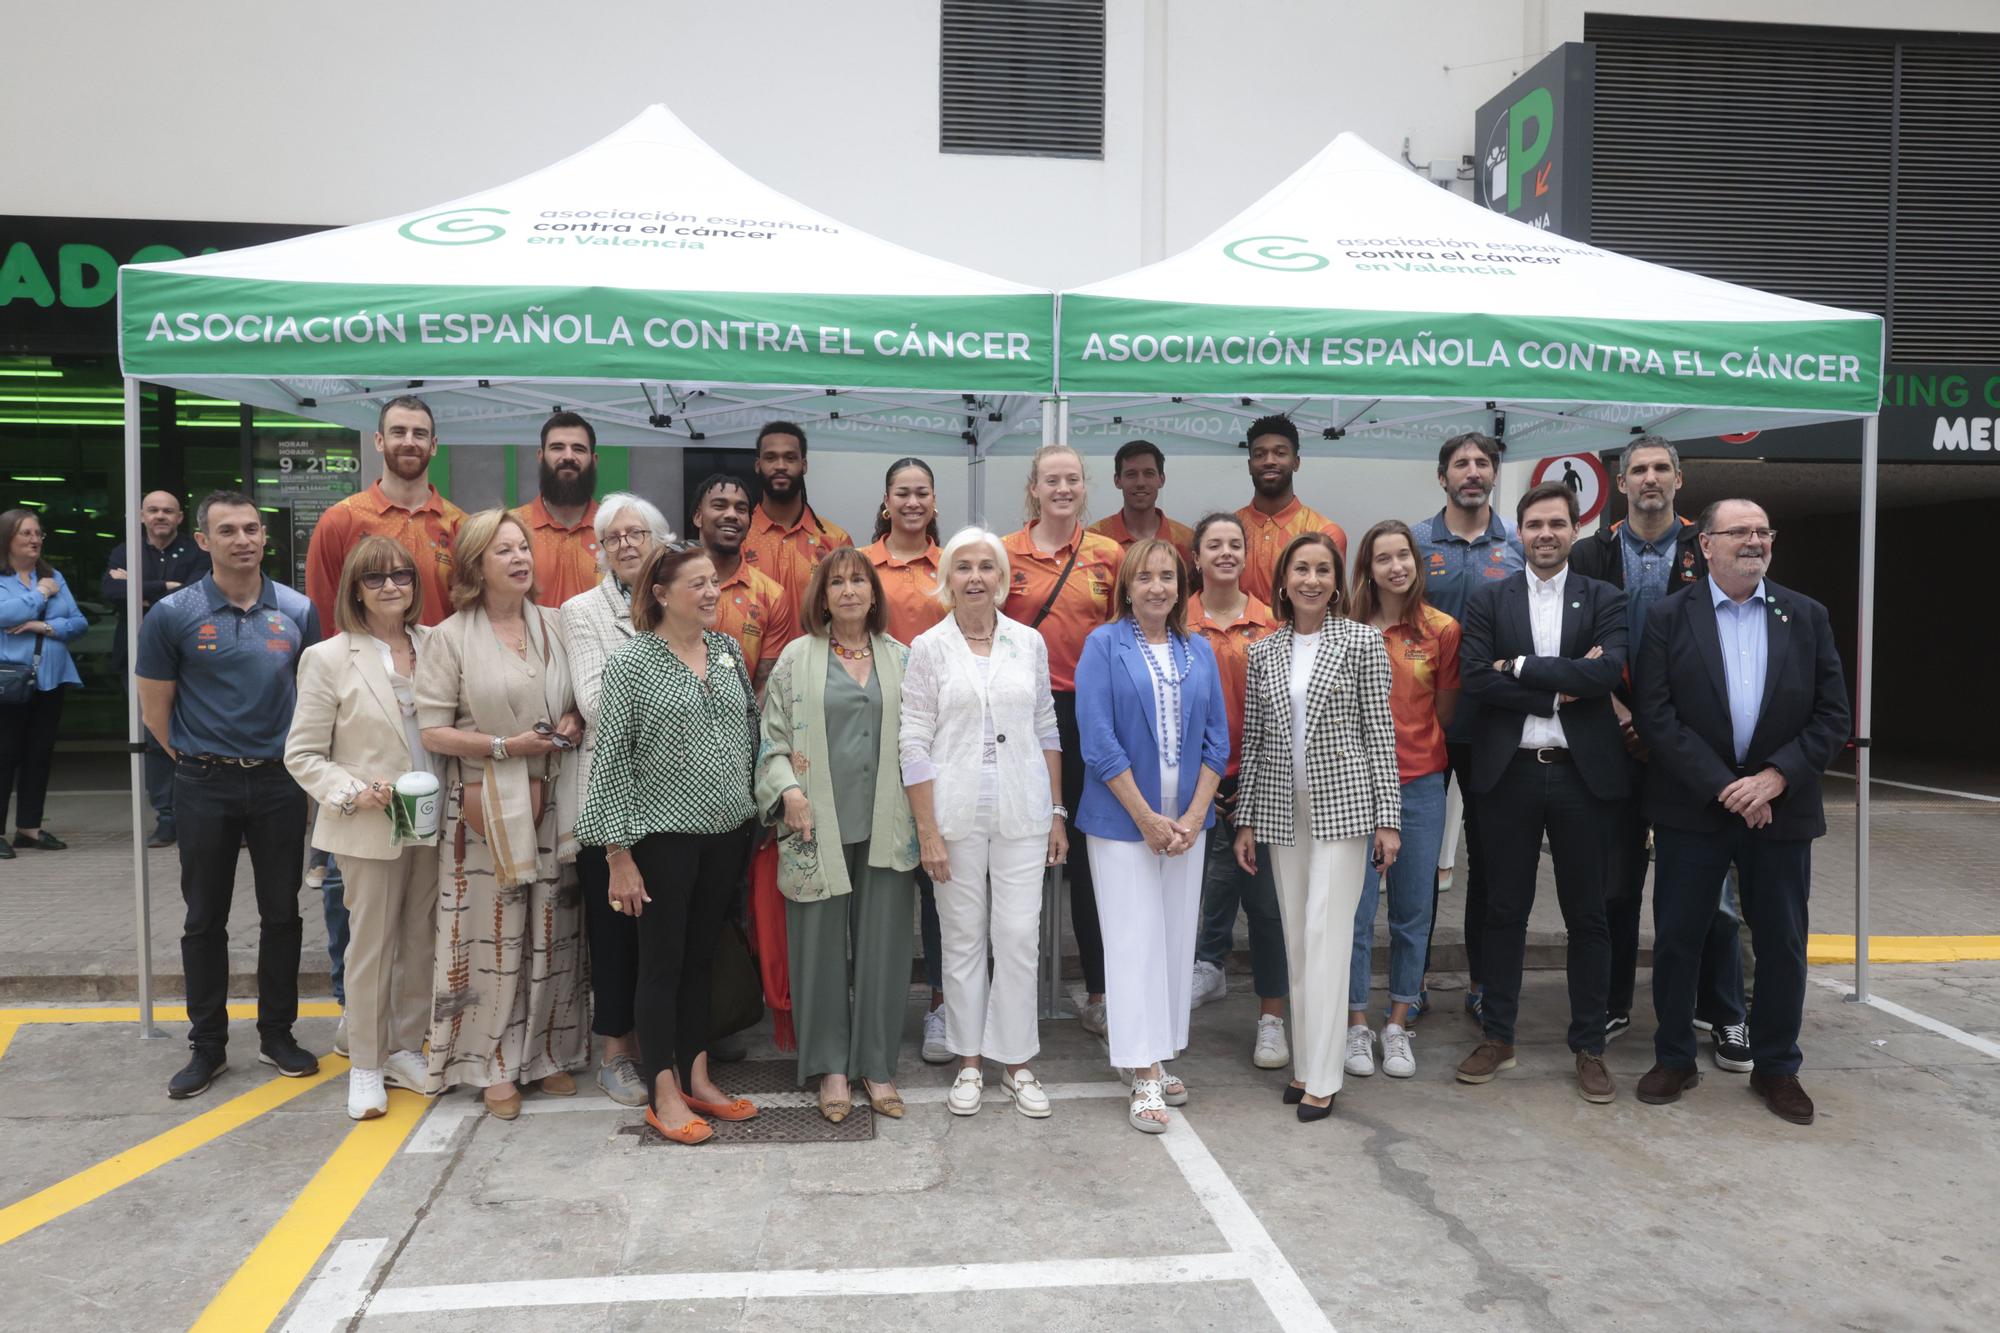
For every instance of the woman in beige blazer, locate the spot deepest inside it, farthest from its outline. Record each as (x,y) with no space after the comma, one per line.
(354,732)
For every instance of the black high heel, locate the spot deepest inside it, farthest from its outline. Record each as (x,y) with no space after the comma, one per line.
(1308,1114)
(1293,1096)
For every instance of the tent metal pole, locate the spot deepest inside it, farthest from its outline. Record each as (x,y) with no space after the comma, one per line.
(135,731)
(975,484)
(1864,686)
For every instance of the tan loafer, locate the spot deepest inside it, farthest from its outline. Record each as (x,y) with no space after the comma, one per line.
(561,1084)
(503,1108)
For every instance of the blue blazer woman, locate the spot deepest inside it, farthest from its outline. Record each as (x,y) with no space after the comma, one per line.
(20,603)
(1117,722)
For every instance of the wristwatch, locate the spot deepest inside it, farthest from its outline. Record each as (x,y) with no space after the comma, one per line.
(499,747)
(1062,812)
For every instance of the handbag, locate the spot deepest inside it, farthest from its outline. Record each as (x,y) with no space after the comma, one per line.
(17,681)
(736,1000)
(1056,591)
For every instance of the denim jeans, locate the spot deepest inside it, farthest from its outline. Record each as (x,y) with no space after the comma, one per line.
(334,905)
(1412,899)
(1225,889)
(218,808)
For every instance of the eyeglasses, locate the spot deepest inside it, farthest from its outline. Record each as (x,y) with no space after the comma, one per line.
(613,540)
(402,578)
(1745,534)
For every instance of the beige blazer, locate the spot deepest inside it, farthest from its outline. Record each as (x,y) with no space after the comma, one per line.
(347,731)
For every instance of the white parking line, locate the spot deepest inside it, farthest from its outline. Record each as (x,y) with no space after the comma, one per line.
(1984,1045)
(335,1295)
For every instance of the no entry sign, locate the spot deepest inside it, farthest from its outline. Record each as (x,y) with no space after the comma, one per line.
(1584,474)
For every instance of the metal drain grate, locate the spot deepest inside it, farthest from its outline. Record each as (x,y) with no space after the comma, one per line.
(784,1113)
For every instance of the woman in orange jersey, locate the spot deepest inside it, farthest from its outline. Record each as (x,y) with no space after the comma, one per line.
(905,556)
(1062,582)
(1231,619)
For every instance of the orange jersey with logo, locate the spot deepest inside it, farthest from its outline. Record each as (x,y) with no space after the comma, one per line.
(1267,535)
(426,532)
(1231,644)
(565,558)
(1422,661)
(1083,604)
(909,590)
(1180,535)
(788,554)
(758,613)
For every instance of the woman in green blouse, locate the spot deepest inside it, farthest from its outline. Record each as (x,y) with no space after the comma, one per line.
(669,799)
(828,775)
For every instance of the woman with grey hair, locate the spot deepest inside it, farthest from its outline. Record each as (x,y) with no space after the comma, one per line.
(597,624)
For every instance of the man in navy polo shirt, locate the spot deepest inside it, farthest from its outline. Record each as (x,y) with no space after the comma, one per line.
(217,668)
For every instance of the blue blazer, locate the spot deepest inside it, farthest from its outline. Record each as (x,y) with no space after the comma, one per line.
(1116,720)
(65,621)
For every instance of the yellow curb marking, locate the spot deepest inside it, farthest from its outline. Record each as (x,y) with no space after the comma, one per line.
(1897,949)
(7,1027)
(261,1288)
(167,1013)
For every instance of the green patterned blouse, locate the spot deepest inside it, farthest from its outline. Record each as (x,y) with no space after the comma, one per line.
(674,753)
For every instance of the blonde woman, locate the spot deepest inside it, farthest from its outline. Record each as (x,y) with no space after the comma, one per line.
(354,733)
(495,703)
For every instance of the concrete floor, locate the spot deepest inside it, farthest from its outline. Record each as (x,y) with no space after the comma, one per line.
(1421,1205)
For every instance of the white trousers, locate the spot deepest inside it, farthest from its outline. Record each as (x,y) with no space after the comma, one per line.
(993,901)
(1319,887)
(1149,906)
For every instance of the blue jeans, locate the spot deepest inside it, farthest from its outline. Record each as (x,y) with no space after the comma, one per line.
(1225,889)
(1412,899)
(334,891)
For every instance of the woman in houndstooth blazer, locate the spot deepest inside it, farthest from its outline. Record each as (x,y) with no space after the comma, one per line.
(1318,784)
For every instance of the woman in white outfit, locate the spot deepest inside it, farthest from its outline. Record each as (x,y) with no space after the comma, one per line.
(1155,736)
(1319,785)
(983,767)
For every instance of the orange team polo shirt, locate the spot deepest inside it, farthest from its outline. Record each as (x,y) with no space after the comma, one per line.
(1267,535)
(1180,534)
(565,558)
(1083,605)
(909,590)
(1231,644)
(758,613)
(426,532)
(1420,664)
(789,554)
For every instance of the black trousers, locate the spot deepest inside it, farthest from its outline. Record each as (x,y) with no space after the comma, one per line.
(1472,881)
(1531,798)
(614,948)
(27,754)
(1720,998)
(1082,889)
(220,808)
(1774,880)
(691,879)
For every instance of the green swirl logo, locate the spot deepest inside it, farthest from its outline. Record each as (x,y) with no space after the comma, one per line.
(457,226)
(1271,253)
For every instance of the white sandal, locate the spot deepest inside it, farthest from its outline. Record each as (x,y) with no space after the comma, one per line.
(1172,1091)
(1146,1097)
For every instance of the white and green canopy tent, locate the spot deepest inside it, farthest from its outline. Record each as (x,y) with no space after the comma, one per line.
(645,282)
(1386,314)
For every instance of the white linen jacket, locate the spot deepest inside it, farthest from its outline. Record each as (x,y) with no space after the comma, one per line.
(595,624)
(347,731)
(945,703)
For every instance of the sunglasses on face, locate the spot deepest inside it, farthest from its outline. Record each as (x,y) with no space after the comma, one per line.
(402,578)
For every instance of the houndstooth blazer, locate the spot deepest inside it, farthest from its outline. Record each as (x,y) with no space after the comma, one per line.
(1350,738)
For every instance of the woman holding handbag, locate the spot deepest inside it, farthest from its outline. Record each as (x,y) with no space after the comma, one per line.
(39,619)
(494,702)
(354,733)
(828,776)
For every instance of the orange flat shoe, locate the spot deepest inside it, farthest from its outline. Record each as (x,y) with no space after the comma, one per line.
(740,1108)
(693,1132)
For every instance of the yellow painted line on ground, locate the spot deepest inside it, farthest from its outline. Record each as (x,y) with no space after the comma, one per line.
(162,1013)
(262,1287)
(1901,949)
(95,1182)
(6,1034)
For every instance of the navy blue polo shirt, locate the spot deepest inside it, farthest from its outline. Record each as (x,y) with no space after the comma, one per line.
(236,670)
(1454,569)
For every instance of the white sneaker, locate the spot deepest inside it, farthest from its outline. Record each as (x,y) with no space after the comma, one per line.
(406,1069)
(966,1090)
(1091,1019)
(1210,983)
(1360,1051)
(1398,1060)
(365,1097)
(1029,1098)
(1272,1050)
(935,1051)
(340,1035)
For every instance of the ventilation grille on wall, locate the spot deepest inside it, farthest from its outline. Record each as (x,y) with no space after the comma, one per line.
(1022,77)
(1945,288)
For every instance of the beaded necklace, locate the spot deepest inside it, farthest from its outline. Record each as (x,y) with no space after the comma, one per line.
(1166,686)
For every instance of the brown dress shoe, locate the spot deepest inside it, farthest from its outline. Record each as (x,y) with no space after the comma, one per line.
(1661,1086)
(1782,1093)
(1593,1080)
(1488,1058)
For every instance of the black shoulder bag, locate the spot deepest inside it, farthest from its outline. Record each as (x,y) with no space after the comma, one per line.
(1061,579)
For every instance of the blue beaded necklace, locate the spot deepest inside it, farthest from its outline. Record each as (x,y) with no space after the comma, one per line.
(1166,685)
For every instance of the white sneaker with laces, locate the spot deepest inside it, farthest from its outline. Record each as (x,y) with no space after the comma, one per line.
(340,1035)
(1091,1019)
(1360,1051)
(406,1069)
(966,1091)
(1210,983)
(1398,1060)
(1273,1051)
(935,1051)
(1026,1090)
(365,1098)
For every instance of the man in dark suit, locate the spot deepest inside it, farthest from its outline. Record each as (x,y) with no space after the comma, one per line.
(1738,691)
(1541,652)
(1647,555)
